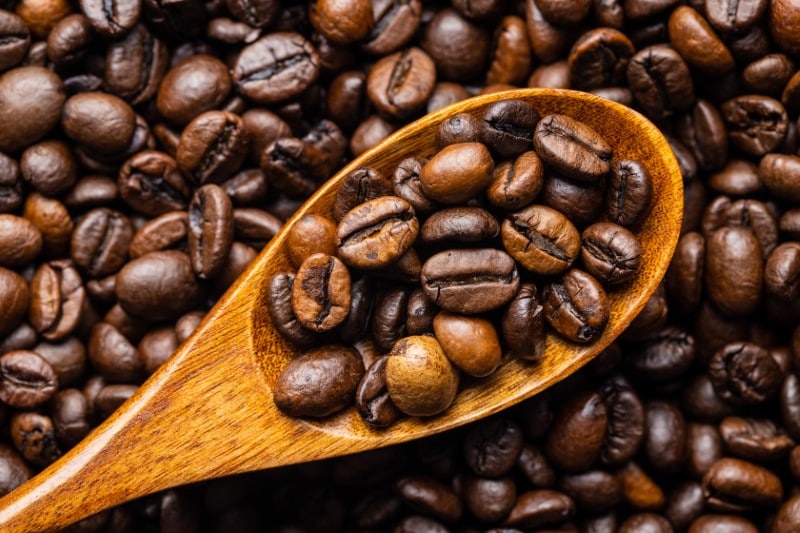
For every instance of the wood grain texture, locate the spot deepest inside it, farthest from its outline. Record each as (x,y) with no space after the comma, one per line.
(208,411)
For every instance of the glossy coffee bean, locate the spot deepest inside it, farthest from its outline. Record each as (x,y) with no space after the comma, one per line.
(778,172)
(457,173)
(400,84)
(20,241)
(135,65)
(70,412)
(158,286)
(31,100)
(575,440)
(780,271)
(516,184)
(756,124)
(458,46)
(33,435)
(430,497)
(599,58)
(736,485)
(610,253)
(26,379)
(696,42)
(277,67)
(660,81)
(629,193)
(420,379)
(151,183)
(754,439)
(459,224)
(461,128)
(562,195)
(665,355)
(372,397)
(541,239)
(453,278)
(492,447)
(388,321)
(334,371)
(114,19)
(734,270)
(507,127)
(394,25)
(470,343)
(49,167)
(212,147)
(57,300)
(406,185)
(197,84)
(357,187)
(210,231)
(99,244)
(595,490)
(702,131)
(17,40)
(321,292)
(540,508)
(665,436)
(99,121)
(576,306)
(377,232)
(488,499)
(523,324)
(744,373)
(572,148)
(279,305)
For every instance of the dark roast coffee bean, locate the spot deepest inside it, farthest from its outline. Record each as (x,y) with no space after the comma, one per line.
(193,86)
(696,42)
(430,497)
(746,213)
(31,100)
(560,14)
(596,491)
(575,439)
(150,183)
(756,124)
(541,239)
(357,187)
(246,187)
(255,227)
(70,412)
(638,489)
(26,379)
(665,436)
(510,58)
(166,232)
(629,193)
(34,437)
(549,42)
(457,173)
(135,65)
(111,397)
(372,398)
(293,166)
(580,201)
(99,244)
(489,500)
(376,232)
(599,58)
(754,439)
(536,467)
(387,325)
(736,485)
(778,173)
(540,508)
(744,373)
(210,231)
(157,286)
(650,522)
(256,13)
(491,447)
(454,279)
(508,126)
(406,184)
(459,224)
(321,293)
(279,305)
(212,147)
(49,167)
(626,422)
(702,131)
(92,191)
(713,523)
(737,178)
(462,128)
(459,47)
(660,81)
(332,371)
(102,122)
(610,253)
(516,184)
(769,74)
(113,19)
(576,306)
(57,299)
(572,148)
(704,447)
(523,324)
(734,270)
(666,355)
(69,39)
(401,83)
(275,68)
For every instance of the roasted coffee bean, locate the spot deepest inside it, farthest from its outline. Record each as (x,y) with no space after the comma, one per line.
(629,193)
(420,379)
(49,167)
(746,213)
(626,421)
(737,178)
(664,356)
(156,347)
(461,128)
(703,448)
(294,166)
(370,132)
(754,439)
(507,127)
(70,412)
(491,448)
(572,148)
(576,306)
(660,81)
(169,231)
(275,68)
(470,343)
(16,40)
(210,231)
(537,469)
(406,184)
(31,100)
(394,24)
(540,508)
(26,379)
(559,14)
(744,373)
(67,357)
(20,241)
(34,437)
(665,436)
(778,172)
(212,147)
(541,239)
(135,65)
(489,500)
(246,187)
(256,13)
(459,47)
(769,74)
(523,324)
(99,244)
(610,253)
(638,489)
(734,485)
(650,522)
(733,18)
(57,300)
(781,274)
(696,42)
(372,397)
(459,224)
(452,279)
(400,84)
(457,173)
(357,187)
(333,371)
(321,293)
(599,58)
(193,86)
(69,39)
(734,270)
(575,439)
(279,305)
(255,227)
(92,191)
(702,131)
(596,491)
(158,286)
(510,58)
(516,184)
(310,234)
(150,183)
(114,19)
(651,318)
(114,357)
(388,322)
(716,522)
(756,124)
(99,121)
(562,194)
(430,497)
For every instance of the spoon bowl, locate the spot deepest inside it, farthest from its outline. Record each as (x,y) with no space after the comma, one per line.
(208,411)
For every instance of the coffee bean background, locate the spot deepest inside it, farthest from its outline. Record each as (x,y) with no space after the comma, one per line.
(125,125)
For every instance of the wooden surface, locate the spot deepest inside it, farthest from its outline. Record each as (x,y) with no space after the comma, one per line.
(208,411)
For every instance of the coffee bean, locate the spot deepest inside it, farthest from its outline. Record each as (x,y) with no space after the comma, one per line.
(507,127)
(419,378)
(401,83)
(596,491)
(744,373)
(580,201)
(660,81)
(114,19)
(158,286)
(754,439)
(275,68)
(210,231)
(212,147)
(540,508)
(430,497)
(665,436)
(376,232)
(34,437)
(406,184)
(711,523)
(629,193)
(457,173)
(574,441)
(20,241)
(333,371)
(510,58)
(470,343)
(279,305)
(372,397)
(489,500)
(256,13)
(638,489)
(734,270)
(666,355)
(516,184)
(150,183)
(394,24)
(388,322)
(459,47)
(193,86)
(782,18)
(135,65)
(461,128)
(452,279)
(736,485)
(26,379)
(777,171)
(57,300)
(696,42)
(702,131)
(572,148)
(49,167)
(321,293)
(541,239)
(559,14)
(649,522)
(293,165)
(599,58)
(31,100)
(99,244)
(610,253)
(756,124)
(459,224)
(16,40)
(781,271)
(576,306)
(358,186)
(111,397)
(625,427)
(537,469)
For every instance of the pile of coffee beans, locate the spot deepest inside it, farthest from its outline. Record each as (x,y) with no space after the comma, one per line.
(473,249)
(691,422)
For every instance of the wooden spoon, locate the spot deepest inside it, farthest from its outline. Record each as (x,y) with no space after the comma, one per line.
(208,411)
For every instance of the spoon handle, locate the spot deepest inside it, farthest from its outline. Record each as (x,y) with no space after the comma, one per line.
(205,413)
